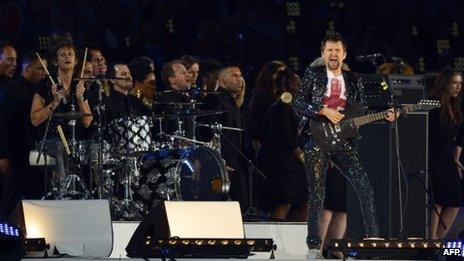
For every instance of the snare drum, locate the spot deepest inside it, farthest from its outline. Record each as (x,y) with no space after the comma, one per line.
(131,135)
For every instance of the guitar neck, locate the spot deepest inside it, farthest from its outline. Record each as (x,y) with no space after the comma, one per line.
(359,121)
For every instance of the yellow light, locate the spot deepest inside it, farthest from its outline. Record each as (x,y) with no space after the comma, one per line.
(237,242)
(33,230)
(250,242)
(211,242)
(199,242)
(361,244)
(224,242)
(387,244)
(400,245)
(185,242)
(172,242)
(349,244)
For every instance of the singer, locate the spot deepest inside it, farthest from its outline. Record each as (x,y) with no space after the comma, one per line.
(59,93)
(327,90)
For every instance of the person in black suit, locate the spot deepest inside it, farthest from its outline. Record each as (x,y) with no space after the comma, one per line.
(174,75)
(8,63)
(17,136)
(231,84)
(120,104)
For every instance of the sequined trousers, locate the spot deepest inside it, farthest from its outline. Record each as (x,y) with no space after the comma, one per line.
(347,158)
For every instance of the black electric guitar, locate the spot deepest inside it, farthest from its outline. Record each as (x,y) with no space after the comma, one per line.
(329,136)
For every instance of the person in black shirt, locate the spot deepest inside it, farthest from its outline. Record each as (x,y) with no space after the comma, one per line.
(120,104)
(8,58)
(280,158)
(446,139)
(17,136)
(61,98)
(230,83)
(143,76)
(174,75)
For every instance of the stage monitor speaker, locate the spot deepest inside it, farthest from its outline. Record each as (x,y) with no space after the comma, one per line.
(73,227)
(377,153)
(188,219)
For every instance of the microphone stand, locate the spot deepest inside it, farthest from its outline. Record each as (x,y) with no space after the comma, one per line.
(100,111)
(399,166)
(251,167)
(41,149)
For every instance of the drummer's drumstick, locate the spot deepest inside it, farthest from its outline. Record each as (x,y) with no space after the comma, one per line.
(46,70)
(63,139)
(83,63)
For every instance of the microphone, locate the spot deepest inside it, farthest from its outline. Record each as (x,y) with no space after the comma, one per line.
(362,58)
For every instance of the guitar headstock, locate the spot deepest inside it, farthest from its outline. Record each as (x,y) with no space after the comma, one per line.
(426,105)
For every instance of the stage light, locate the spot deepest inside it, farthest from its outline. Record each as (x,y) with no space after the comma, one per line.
(393,249)
(10,242)
(36,247)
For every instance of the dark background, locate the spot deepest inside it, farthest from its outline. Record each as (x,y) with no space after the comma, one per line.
(426,33)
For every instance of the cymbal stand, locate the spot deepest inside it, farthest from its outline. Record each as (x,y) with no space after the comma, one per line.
(217,131)
(68,186)
(127,209)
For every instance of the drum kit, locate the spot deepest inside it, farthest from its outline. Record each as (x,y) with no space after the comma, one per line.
(134,164)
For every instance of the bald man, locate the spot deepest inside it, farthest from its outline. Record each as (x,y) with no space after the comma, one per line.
(8,63)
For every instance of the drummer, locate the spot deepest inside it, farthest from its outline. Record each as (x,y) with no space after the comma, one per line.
(62,97)
(120,104)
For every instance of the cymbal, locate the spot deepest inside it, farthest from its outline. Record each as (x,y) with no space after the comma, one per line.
(198,113)
(180,104)
(72,115)
(99,79)
(192,91)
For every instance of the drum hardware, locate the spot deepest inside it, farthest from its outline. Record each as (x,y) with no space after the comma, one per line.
(72,115)
(179,131)
(218,127)
(100,109)
(72,186)
(126,208)
(178,104)
(207,144)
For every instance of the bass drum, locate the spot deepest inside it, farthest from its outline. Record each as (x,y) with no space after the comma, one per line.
(194,173)
(201,175)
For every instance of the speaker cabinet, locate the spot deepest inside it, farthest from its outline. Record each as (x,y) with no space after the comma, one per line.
(378,155)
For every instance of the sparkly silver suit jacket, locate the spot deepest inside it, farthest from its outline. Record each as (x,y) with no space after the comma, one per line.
(308,100)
